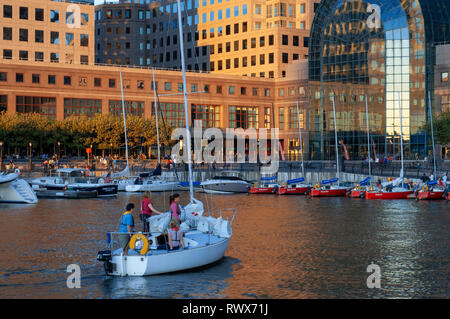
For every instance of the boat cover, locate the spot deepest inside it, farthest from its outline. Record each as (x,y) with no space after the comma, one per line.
(329,181)
(365,182)
(297,180)
(268,178)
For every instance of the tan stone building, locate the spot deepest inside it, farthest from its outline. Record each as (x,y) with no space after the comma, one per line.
(47,31)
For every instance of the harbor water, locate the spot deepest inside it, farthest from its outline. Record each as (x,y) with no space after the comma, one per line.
(282,247)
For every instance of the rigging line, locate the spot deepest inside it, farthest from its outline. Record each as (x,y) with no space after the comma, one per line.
(194,57)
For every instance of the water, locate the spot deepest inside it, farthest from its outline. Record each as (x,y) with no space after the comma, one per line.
(282,247)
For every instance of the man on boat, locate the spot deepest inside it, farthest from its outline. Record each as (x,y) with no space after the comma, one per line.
(126,227)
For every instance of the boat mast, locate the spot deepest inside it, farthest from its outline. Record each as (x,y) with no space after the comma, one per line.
(156,113)
(336,143)
(188,134)
(368,135)
(401,135)
(124,118)
(301,144)
(432,134)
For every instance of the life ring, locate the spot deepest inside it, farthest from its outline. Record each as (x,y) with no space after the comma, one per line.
(284,184)
(144,239)
(256,185)
(317,186)
(424,188)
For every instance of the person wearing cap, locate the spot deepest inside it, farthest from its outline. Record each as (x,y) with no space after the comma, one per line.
(126,227)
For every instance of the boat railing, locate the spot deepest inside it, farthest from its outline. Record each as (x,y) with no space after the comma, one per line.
(224,212)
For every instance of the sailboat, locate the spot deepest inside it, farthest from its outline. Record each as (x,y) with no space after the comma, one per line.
(206,238)
(267,185)
(431,189)
(325,189)
(296,186)
(396,189)
(359,191)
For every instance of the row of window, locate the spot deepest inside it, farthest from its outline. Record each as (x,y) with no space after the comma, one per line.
(24,13)
(54,37)
(140,84)
(54,57)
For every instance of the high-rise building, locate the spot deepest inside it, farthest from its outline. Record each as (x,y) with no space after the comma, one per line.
(385,50)
(146,34)
(253,37)
(247,37)
(36,31)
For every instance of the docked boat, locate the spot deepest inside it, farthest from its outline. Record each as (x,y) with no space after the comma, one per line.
(326,190)
(359,191)
(294,187)
(228,183)
(16,190)
(65,194)
(393,193)
(265,186)
(430,191)
(184,186)
(153,184)
(75,179)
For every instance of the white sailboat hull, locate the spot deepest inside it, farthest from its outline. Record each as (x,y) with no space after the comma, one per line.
(153,263)
(152,187)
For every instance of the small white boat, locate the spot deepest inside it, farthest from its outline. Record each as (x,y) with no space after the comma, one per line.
(203,245)
(228,183)
(16,190)
(153,184)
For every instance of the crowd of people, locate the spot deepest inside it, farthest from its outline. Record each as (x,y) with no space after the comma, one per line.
(147,210)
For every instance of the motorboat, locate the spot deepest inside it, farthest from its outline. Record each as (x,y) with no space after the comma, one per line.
(152,184)
(293,187)
(184,186)
(267,185)
(326,190)
(228,183)
(205,239)
(16,190)
(77,179)
(65,194)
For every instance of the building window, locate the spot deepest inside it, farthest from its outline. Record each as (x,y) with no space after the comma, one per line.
(23,35)
(52,79)
(112,83)
(444,77)
(267,117)
(23,55)
(35,78)
(78,107)
(23,13)
(167,86)
(39,14)
(131,107)
(84,40)
(243,117)
(54,37)
(219,89)
(39,36)
(54,16)
(39,56)
(7,54)
(285,57)
(7,11)
(281,118)
(67,80)
(7,33)
(271,39)
(54,57)
(32,104)
(208,114)
(3,103)
(19,77)
(173,113)
(231,89)
(84,59)
(3,77)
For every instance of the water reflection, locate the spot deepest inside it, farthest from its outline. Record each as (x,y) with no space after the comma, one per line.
(282,247)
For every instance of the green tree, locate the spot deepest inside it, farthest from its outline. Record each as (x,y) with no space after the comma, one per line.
(441,125)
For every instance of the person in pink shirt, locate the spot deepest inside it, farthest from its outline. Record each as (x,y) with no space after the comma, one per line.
(175,207)
(147,210)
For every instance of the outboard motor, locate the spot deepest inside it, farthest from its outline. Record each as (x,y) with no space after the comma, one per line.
(105,257)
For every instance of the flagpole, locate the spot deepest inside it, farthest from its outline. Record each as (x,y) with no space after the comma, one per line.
(336,143)
(156,113)
(124,118)
(432,134)
(301,141)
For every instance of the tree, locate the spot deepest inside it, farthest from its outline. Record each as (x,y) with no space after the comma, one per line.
(441,125)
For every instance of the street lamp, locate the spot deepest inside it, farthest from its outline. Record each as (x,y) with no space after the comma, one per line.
(59,150)
(92,158)
(30,144)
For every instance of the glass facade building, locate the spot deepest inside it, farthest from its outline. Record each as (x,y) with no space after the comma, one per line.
(383,50)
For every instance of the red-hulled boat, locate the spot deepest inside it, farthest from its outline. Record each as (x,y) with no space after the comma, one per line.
(293,187)
(332,191)
(395,193)
(264,189)
(434,194)
(357,193)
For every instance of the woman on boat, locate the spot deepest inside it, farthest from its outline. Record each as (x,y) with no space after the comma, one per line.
(175,235)
(146,211)
(175,207)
